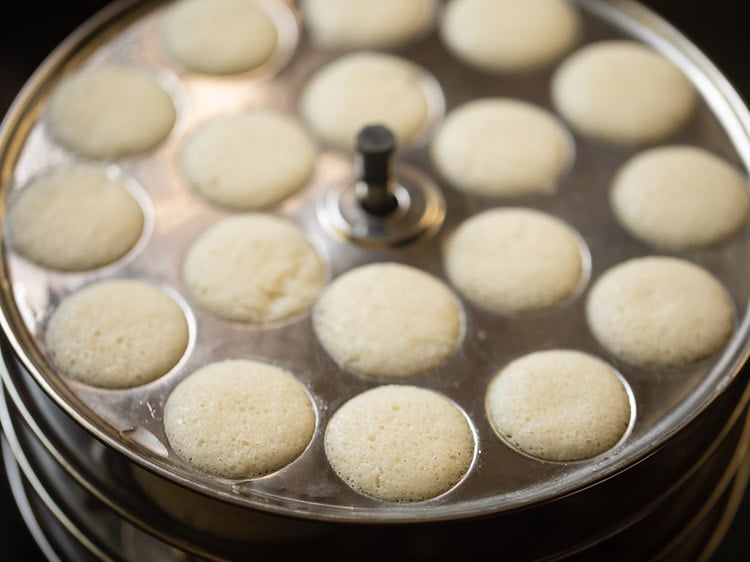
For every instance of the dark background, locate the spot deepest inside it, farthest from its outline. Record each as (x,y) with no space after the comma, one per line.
(32,29)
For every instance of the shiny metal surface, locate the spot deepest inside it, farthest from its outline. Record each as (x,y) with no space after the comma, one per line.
(81,528)
(570,525)
(501,480)
(700,537)
(722,526)
(32,517)
(56,542)
(673,530)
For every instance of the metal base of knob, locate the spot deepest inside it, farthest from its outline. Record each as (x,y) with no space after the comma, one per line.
(420,212)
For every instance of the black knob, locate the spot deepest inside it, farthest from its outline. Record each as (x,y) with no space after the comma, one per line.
(376,145)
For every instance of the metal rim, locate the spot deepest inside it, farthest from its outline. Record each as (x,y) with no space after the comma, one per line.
(716,514)
(72,527)
(30,517)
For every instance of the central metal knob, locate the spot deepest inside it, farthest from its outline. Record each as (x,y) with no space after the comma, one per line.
(376,181)
(380,203)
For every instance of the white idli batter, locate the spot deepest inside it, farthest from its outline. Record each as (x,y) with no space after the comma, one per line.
(117,333)
(254,268)
(500,147)
(365,88)
(110,112)
(660,311)
(388,320)
(400,443)
(74,219)
(509,35)
(239,418)
(623,92)
(559,405)
(514,260)
(219,36)
(249,161)
(367,24)
(679,197)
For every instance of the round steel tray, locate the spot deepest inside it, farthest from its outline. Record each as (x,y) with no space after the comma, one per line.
(500,480)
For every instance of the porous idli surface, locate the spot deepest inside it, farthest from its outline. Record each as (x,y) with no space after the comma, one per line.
(680,197)
(660,311)
(509,35)
(219,36)
(365,88)
(117,333)
(388,320)
(623,92)
(400,443)
(501,147)
(110,112)
(559,405)
(514,260)
(367,24)
(239,418)
(254,268)
(249,161)
(74,219)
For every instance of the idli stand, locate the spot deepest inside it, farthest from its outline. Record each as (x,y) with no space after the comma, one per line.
(95,474)
(377,293)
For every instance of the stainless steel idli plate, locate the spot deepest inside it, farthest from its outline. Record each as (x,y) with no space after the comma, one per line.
(500,479)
